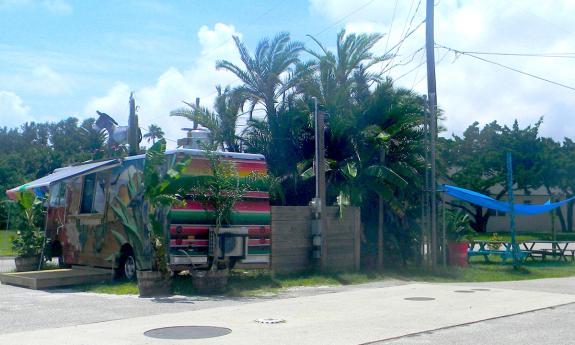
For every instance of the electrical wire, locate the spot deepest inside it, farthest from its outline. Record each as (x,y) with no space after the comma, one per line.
(391,25)
(507,67)
(345,17)
(543,55)
(405,34)
(398,44)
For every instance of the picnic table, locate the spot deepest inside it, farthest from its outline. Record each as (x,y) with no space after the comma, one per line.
(527,249)
(485,248)
(542,248)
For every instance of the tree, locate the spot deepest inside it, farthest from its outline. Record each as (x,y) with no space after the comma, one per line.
(476,161)
(222,122)
(344,74)
(154,133)
(269,74)
(270,78)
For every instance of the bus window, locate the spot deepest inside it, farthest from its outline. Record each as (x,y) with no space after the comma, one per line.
(93,194)
(88,194)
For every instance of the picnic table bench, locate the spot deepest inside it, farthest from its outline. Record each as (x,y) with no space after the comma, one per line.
(542,249)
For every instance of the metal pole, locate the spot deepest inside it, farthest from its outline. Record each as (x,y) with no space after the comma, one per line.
(444,240)
(511,209)
(425,201)
(316,161)
(432,95)
(319,202)
(380,219)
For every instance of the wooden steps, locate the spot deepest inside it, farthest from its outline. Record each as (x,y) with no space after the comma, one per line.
(57,278)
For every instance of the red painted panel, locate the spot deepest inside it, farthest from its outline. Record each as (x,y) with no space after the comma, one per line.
(259,242)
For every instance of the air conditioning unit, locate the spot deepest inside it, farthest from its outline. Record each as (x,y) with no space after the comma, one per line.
(233,242)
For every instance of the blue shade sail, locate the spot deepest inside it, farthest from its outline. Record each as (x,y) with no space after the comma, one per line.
(488,202)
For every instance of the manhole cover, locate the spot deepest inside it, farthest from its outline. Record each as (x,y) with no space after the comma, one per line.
(270,321)
(464,291)
(419,299)
(187,332)
(481,289)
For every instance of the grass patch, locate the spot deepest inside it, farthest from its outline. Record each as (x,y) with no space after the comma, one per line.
(526,236)
(261,283)
(6,243)
(495,270)
(113,288)
(246,283)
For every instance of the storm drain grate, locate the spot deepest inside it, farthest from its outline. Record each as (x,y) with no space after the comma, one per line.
(464,291)
(187,332)
(419,299)
(270,321)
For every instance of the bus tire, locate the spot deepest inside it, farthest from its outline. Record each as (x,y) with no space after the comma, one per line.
(127,265)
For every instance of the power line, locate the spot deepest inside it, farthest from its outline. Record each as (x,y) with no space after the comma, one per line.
(424,77)
(544,55)
(405,35)
(398,44)
(344,17)
(540,17)
(391,25)
(508,67)
(244,28)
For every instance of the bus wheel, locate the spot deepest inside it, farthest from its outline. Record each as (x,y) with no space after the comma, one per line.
(127,267)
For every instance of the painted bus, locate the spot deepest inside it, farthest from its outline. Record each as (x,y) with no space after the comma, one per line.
(80,220)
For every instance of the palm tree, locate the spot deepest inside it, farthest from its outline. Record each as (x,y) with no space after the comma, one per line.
(273,70)
(340,75)
(222,122)
(154,133)
(269,79)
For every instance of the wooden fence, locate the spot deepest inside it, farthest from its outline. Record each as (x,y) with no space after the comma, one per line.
(292,239)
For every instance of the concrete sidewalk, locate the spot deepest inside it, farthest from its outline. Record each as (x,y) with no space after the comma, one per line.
(349,317)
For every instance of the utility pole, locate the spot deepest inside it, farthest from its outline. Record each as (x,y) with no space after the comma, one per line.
(319,203)
(432,97)
(380,219)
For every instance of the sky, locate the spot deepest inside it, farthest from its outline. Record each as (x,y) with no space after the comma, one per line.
(61,58)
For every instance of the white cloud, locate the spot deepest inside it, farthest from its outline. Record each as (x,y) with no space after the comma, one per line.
(471,90)
(40,80)
(155,101)
(13,111)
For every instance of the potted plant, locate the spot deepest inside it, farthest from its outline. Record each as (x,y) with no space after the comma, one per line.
(145,220)
(29,240)
(458,231)
(218,193)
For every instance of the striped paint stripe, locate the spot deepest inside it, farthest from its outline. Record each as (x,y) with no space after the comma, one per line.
(203,217)
(240,206)
(203,243)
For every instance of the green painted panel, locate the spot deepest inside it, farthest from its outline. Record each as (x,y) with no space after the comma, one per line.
(206,217)
(258,250)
